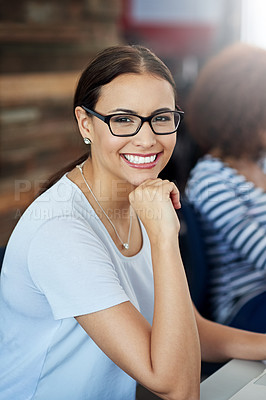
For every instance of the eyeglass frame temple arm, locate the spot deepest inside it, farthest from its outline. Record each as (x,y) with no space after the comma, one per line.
(181,112)
(104,118)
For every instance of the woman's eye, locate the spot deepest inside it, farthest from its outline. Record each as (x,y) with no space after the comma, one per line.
(122,119)
(161,118)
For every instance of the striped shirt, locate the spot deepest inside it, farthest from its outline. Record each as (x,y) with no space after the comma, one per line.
(232,215)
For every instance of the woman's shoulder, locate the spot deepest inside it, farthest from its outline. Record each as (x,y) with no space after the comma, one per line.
(62,200)
(213,168)
(207,165)
(60,209)
(209,176)
(207,170)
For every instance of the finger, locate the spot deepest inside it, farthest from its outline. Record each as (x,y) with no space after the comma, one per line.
(150,182)
(175,198)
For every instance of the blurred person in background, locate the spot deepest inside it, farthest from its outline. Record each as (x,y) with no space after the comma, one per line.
(94,296)
(226,117)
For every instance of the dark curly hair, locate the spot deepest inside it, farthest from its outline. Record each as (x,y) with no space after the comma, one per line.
(227,105)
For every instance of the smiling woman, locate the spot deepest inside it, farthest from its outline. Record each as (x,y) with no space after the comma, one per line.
(121,138)
(94,296)
(89,263)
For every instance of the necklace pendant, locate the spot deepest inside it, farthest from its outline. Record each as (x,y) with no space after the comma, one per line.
(125,245)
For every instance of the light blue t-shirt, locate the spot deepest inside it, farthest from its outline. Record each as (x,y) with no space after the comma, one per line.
(60,262)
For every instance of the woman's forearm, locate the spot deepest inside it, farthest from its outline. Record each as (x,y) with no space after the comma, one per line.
(175,348)
(220,343)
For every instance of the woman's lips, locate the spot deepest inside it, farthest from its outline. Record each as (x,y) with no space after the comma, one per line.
(141,160)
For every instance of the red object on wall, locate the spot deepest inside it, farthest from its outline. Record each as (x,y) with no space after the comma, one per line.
(179,38)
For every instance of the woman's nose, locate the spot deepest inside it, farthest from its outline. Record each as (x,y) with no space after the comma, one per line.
(145,136)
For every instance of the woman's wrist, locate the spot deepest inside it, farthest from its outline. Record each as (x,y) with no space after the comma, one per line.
(162,241)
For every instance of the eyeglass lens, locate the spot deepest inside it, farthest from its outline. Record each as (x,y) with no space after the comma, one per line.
(162,123)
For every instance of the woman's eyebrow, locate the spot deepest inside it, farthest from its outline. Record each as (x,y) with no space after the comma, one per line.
(162,110)
(125,110)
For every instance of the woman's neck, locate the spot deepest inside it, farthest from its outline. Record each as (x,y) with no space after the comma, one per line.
(110,202)
(111,193)
(247,167)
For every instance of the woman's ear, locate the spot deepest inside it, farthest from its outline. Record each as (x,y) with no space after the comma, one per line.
(84,123)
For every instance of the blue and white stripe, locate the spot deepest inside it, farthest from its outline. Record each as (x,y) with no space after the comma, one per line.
(232,214)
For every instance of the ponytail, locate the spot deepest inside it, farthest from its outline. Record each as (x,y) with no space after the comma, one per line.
(58,175)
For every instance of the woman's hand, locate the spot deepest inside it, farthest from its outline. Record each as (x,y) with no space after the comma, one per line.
(220,343)
(155,202)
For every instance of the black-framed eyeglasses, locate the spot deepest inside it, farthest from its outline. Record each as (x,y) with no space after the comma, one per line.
(127,124)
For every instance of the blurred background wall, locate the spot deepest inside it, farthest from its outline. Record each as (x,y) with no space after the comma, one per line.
(45,44)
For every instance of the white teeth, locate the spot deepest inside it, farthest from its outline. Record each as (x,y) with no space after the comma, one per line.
(139,159)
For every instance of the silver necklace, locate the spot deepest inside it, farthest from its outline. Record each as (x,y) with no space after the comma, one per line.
(124,244)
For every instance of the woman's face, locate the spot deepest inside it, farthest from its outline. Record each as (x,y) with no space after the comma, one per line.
(117,158)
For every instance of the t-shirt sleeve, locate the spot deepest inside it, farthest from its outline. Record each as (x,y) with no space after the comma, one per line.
(71,267)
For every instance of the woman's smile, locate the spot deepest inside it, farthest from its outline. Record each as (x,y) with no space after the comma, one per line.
(141,160)
(141,156)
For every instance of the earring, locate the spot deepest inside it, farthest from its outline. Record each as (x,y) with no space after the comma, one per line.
(87,140)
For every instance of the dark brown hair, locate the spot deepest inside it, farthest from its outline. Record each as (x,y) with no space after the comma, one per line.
(227,105)
(106,66)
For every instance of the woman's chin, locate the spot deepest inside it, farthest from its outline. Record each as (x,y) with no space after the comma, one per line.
(141,179)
